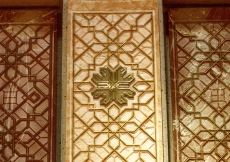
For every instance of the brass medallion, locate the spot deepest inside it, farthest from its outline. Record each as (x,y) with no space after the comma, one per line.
(113,86)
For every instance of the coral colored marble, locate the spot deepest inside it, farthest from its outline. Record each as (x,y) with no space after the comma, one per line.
(27,85)
(200,72)
(194,2)
(28,3)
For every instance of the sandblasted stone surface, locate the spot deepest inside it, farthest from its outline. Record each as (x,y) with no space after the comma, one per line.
(200,69)
(27,85)
(112,86)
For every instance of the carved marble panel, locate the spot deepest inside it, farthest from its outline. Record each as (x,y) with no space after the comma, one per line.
(200,69)
(113,111)
(27,85)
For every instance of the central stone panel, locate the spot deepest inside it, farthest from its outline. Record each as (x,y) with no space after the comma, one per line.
(112,101)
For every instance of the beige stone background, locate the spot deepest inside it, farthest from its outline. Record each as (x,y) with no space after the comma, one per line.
(61,6)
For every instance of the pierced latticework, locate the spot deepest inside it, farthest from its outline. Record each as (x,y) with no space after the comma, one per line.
(200,69)
(113,109)
(27,63)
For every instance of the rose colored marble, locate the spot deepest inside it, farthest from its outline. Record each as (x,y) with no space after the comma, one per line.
(194,2)
(200,72)
(28,3)
(27,85)
(103,36)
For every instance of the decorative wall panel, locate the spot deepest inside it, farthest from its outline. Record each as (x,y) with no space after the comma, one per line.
(200,69)
(112,86)
(27,98)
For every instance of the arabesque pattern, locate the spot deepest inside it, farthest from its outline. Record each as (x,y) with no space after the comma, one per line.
(107,43)
(26,87)
(201,85)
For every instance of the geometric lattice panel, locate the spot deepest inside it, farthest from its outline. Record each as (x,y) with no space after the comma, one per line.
(27,55)
(200,63)
(113,86)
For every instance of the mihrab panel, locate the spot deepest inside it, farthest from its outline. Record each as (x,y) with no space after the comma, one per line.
(200,69)
(27,85)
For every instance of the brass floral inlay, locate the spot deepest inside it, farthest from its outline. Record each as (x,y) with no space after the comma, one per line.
(113,85)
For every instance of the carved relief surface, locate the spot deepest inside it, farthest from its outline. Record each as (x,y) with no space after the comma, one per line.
(113,109)
(27,43)
(200,60)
